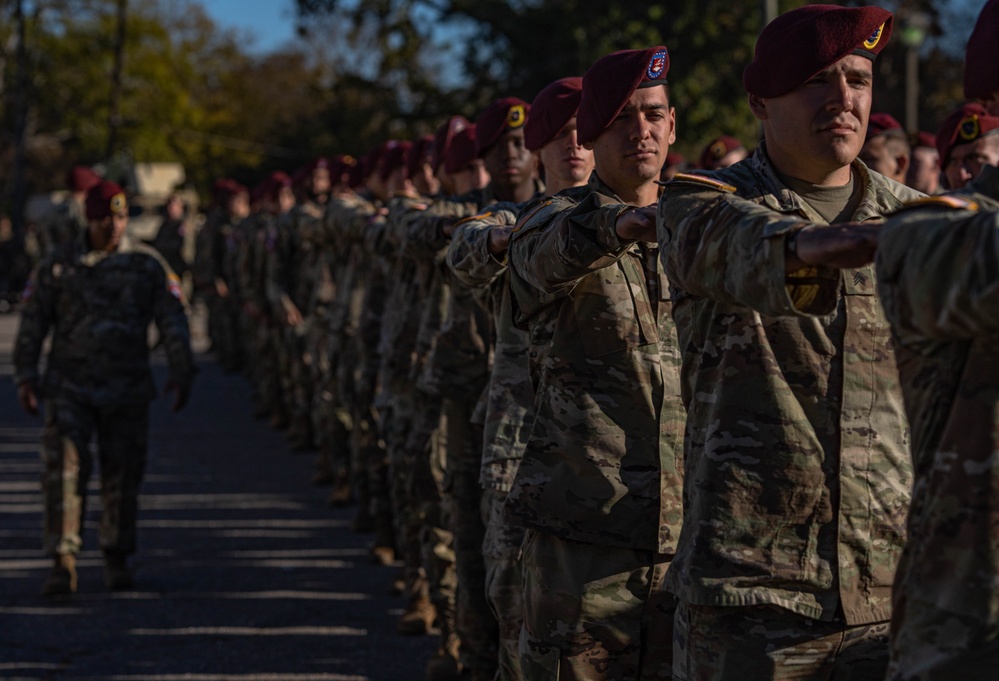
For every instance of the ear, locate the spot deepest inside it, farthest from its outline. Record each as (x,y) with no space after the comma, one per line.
(902,160)
(758,105)
(672,125)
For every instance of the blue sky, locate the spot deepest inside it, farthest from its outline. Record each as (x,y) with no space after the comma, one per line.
(270,22)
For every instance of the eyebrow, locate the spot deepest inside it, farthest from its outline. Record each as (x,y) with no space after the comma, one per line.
(646,107)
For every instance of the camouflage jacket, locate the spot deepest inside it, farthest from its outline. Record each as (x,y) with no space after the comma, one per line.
(509,395)
(797,461)
(344,219)
(98,307)
(938,275)
(458,363)
(603,463)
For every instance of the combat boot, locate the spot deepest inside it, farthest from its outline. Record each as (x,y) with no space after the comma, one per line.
(418,618)
(445,665)
(117,576)
(62,580)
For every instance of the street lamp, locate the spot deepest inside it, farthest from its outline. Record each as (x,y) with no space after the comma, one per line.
(912,35)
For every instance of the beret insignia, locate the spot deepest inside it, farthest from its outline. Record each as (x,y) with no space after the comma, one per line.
(717,149)
(516,116)
(969,128)
(875,38)
(657,65)
(118,203)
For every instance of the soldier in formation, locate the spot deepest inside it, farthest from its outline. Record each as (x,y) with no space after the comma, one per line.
(612,427)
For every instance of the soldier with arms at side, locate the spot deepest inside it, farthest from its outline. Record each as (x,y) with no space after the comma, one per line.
(97,297)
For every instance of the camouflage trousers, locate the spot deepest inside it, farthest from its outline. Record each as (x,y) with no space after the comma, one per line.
(296,379)
(122,433)
(931,644)
(594,612)
(477,627)
(504,581)
(768,643)
(437,554)
(223,329)
(330,425)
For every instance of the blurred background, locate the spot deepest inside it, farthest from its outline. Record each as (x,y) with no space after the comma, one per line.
(167,95)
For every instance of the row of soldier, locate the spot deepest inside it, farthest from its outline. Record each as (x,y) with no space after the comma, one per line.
(615,428)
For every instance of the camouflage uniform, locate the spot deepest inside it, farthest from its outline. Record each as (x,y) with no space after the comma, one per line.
(600,481)
(98,307)
(937,266)
(797,463)
(215,241)
(508,421)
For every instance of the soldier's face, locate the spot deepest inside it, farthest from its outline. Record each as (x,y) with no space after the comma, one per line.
(966,161)
(105,234)
(239,206)
(878,155)
(814,132)
(631,152)
(472,176)
(508,162)
(924,170)
(567,163)
(320,181)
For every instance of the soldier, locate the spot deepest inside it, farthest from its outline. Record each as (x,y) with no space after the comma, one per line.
(968,140)
(937,264)
(797,465)
(722,152)
(886,149)
(477,257)
(97,296)
(70,219)
(924,167)
(598,488)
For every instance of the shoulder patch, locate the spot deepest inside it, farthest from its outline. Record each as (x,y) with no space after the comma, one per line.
(540,214)
(704,180)
(942,201)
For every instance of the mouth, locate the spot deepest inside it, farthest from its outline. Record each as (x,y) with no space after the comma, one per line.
(642,155)
(838,128)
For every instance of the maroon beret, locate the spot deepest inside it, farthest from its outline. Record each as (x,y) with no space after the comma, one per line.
(442,138)
(981,72)
(462,150)
(801,43)
(270,187)
(883,124)
(105,199)
(81,178)
(674,158)
(395,156)
(965,125)
(718,148)
(225,189)
(341,167)
(610,83)
(923,139)
(420,154)
(504,114)
(551,110)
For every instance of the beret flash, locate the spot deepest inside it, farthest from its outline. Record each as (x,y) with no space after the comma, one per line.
(504,114)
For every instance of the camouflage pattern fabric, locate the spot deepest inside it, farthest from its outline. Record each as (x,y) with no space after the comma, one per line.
(937,274)
(764,642)
(504,580)
(797,463)
(122,433)
(98,307)
(604,462)
(594,612)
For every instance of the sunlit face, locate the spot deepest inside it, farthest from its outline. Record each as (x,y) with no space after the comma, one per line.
(566,162)
(105,234)
(508,162)
(631,152)
(818,128)
(966,161)
(729,159)
(239,206)
(924,170)
(285,200)
(878,155)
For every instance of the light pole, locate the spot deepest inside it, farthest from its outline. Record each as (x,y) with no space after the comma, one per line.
(912,35)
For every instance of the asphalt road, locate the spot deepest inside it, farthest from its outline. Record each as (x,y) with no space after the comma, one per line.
(243,572)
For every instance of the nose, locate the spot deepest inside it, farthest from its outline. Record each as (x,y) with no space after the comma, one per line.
(641,128)
(840,96)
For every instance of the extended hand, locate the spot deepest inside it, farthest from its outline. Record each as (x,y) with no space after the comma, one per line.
(499,239)
(637,224)
(837,246)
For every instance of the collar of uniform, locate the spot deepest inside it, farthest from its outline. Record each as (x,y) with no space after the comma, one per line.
(90,257)
(776,195)
(595,184)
